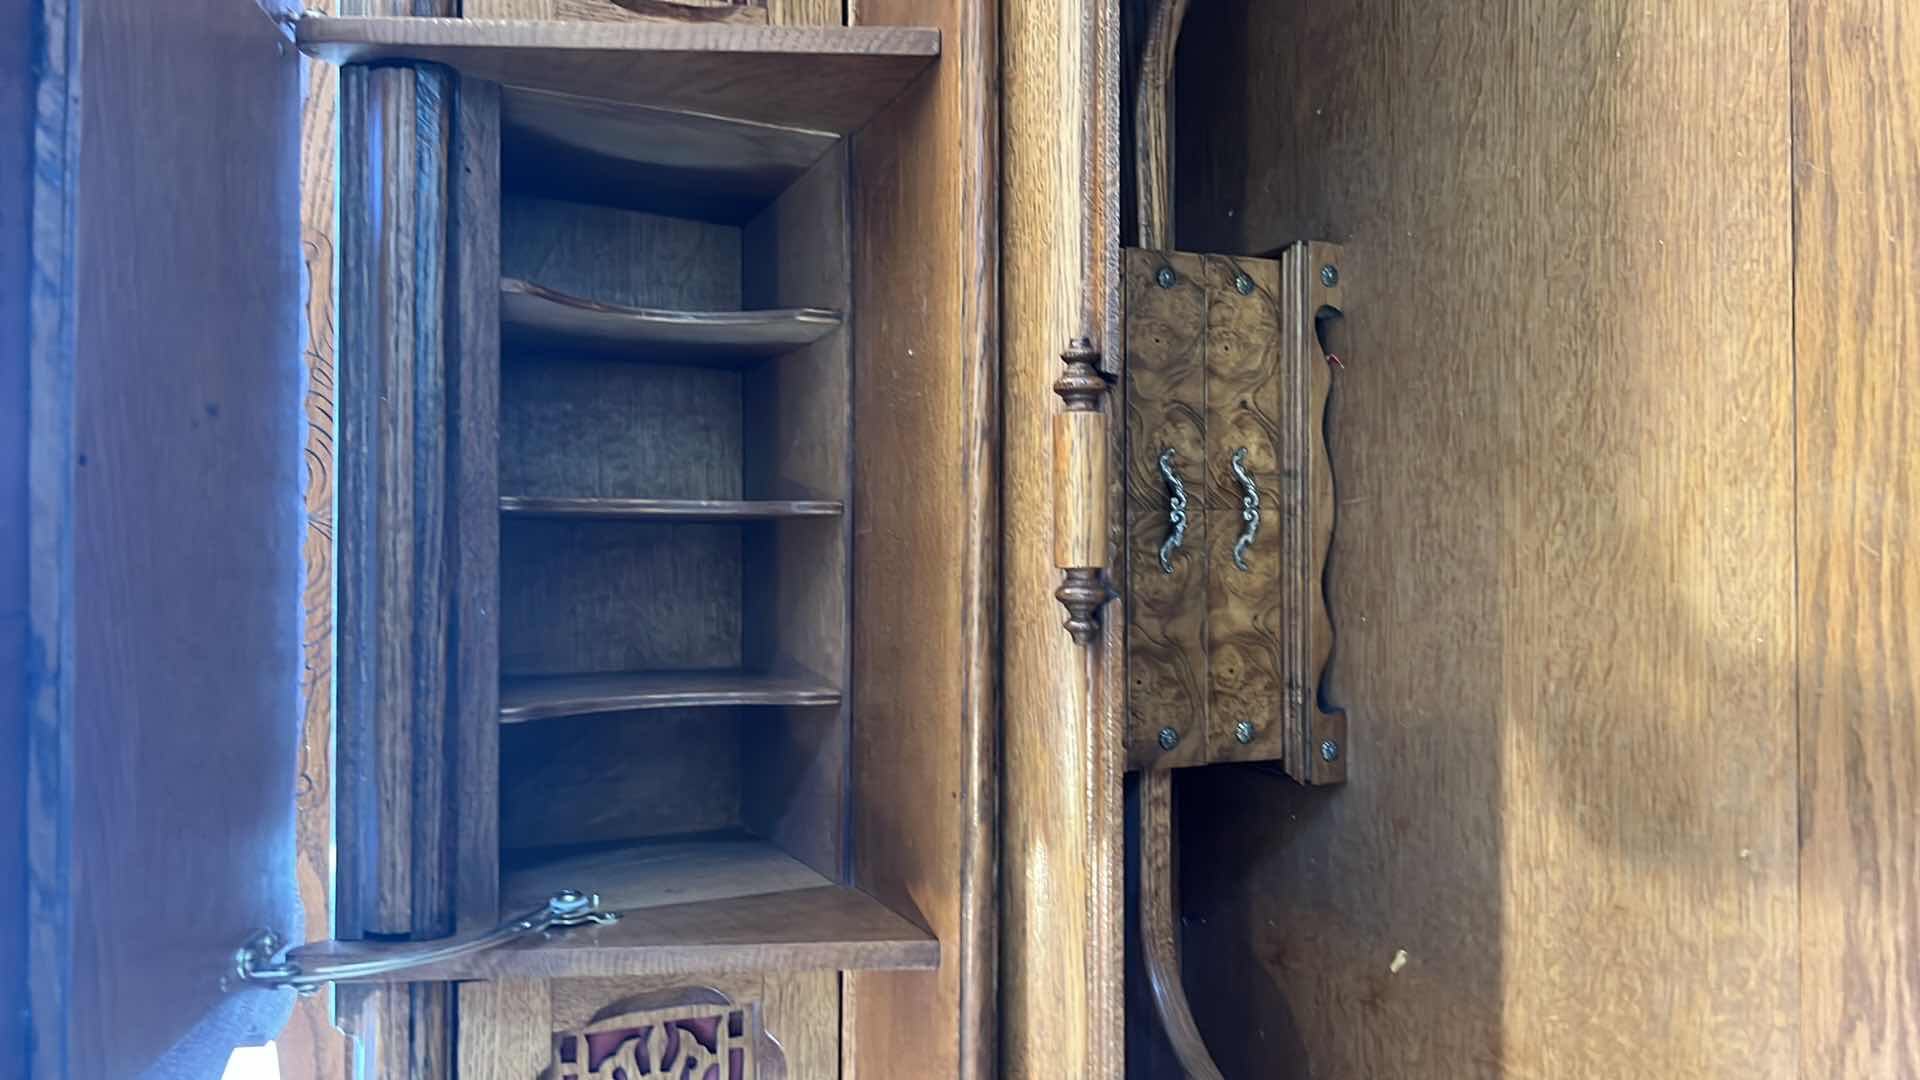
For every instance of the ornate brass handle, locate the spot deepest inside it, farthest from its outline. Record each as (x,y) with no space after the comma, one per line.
(1249,509)
(1176,511)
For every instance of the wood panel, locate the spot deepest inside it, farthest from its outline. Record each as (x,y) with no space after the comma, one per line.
(926,515)
(473,394)
(1563,572)
(163,542)
(1061,901)
(1856,162)
(823,78)
(581,597)
(703,510)
(601,779)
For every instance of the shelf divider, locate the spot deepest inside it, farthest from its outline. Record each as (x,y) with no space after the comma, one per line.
(525,698)
(533,315)
(608,508)
(687,906)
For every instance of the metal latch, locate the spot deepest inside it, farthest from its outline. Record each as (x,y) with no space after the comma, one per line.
(260,964)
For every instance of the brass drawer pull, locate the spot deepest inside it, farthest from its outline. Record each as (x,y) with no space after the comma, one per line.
(1249,509)
(1176,511)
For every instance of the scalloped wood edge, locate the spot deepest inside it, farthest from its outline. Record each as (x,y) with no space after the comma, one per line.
(534,314)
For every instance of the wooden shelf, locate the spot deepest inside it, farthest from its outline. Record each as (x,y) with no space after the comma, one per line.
(540,317)
(822,79)
(688,906)
(539,697)
(677,163)
(693,510)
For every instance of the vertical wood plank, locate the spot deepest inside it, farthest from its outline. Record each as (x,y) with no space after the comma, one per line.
(1061,898)
(1856,170)
(925,516)
(392,379)
(506,1029)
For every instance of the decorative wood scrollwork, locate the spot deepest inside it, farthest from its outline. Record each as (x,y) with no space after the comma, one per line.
(704,1036)
(1080,450)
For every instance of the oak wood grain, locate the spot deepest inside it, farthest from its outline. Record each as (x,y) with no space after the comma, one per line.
(586,596)
(1247,617)
(1856,332)
(612,429)
(824,78)
(1165,391)
(153,385)
(541,696)
(473,394)
(1563,573)
(926,515)
(615,256)
(827,927)
(555,321)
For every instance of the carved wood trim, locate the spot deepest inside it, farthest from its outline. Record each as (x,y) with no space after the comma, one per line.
(699,1033)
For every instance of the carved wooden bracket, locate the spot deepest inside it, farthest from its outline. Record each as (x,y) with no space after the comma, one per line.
(697,1033)
(1080,450)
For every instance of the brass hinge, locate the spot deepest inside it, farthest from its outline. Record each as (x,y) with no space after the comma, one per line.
(1080,450)
(259,964)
